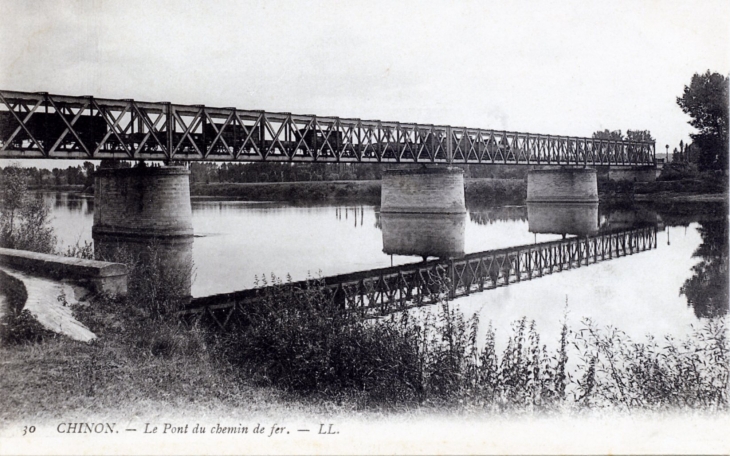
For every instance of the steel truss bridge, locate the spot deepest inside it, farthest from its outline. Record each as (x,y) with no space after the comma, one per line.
(380,292)
(41,125)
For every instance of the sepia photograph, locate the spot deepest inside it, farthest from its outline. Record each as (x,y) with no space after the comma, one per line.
(364,227)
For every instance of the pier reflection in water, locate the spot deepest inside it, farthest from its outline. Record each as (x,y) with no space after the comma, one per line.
(424,235)
(580,219)
(161,267)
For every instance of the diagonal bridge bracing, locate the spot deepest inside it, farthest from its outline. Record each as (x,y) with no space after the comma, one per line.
(380,292)
(41,125)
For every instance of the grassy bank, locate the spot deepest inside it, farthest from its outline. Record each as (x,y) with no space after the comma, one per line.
(304,354)
(708,188)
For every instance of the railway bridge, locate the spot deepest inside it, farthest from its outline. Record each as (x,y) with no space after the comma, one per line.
(144,203)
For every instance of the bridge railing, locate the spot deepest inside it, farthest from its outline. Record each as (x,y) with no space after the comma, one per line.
(41,125)
(384,291)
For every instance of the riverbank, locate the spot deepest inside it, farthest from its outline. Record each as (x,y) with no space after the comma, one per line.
(366,191)
(505,191)
(476,191)
(147,369)
(663,192)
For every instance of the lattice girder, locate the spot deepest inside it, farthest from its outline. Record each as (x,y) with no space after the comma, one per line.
(40,125)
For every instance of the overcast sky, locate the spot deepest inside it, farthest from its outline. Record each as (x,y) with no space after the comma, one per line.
(542,67)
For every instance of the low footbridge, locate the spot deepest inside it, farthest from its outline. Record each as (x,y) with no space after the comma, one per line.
(384,291)
(42,125)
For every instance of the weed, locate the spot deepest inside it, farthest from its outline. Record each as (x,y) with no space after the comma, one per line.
(303,342)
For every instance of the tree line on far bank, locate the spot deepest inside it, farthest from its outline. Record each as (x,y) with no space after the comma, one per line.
(209,173)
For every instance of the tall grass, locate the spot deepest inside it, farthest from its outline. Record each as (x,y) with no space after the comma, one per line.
(305,342)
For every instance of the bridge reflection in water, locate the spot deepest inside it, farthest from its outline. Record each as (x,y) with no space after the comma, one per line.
(384,291)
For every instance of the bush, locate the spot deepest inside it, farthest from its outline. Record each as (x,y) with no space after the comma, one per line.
(24,217)
(159,275)
(23,328)
(305,342)
(678,171)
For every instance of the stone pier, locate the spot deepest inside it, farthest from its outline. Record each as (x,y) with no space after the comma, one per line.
(143,217)
(424,190)
(565,185)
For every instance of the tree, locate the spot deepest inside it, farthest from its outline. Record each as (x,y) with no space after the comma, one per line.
(639,135)
(706,101)
(707,290)
(615,135)
(676,157)
(88,174)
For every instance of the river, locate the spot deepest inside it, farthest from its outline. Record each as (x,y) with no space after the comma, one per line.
(238,241)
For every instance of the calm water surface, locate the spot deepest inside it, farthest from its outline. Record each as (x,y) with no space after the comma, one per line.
(237,241)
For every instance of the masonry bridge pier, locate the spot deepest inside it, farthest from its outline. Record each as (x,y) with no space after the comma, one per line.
(143,216)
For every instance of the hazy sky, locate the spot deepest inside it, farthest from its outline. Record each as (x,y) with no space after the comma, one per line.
(543,67)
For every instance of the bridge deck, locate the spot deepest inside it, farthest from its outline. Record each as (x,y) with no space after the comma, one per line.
(384,291)
(40,125)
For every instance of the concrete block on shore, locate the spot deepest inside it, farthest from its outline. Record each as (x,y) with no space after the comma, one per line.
(98,276)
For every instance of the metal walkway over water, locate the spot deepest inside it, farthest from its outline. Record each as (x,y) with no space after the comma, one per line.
(384,291)
(41,125)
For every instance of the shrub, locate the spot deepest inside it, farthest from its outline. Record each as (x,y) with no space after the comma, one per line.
(85,251)
(22,328)
(24,217)
(303,341)
(159,276)
(678,171)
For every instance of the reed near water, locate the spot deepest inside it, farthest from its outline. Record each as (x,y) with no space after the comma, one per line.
(306,344)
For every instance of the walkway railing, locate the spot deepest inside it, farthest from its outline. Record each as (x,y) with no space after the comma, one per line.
(40,125)
(384,291)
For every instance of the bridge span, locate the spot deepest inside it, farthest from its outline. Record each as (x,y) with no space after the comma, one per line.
(384,291)
(42,125)
(153,204)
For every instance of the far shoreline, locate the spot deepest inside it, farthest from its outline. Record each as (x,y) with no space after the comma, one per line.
(485,191)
